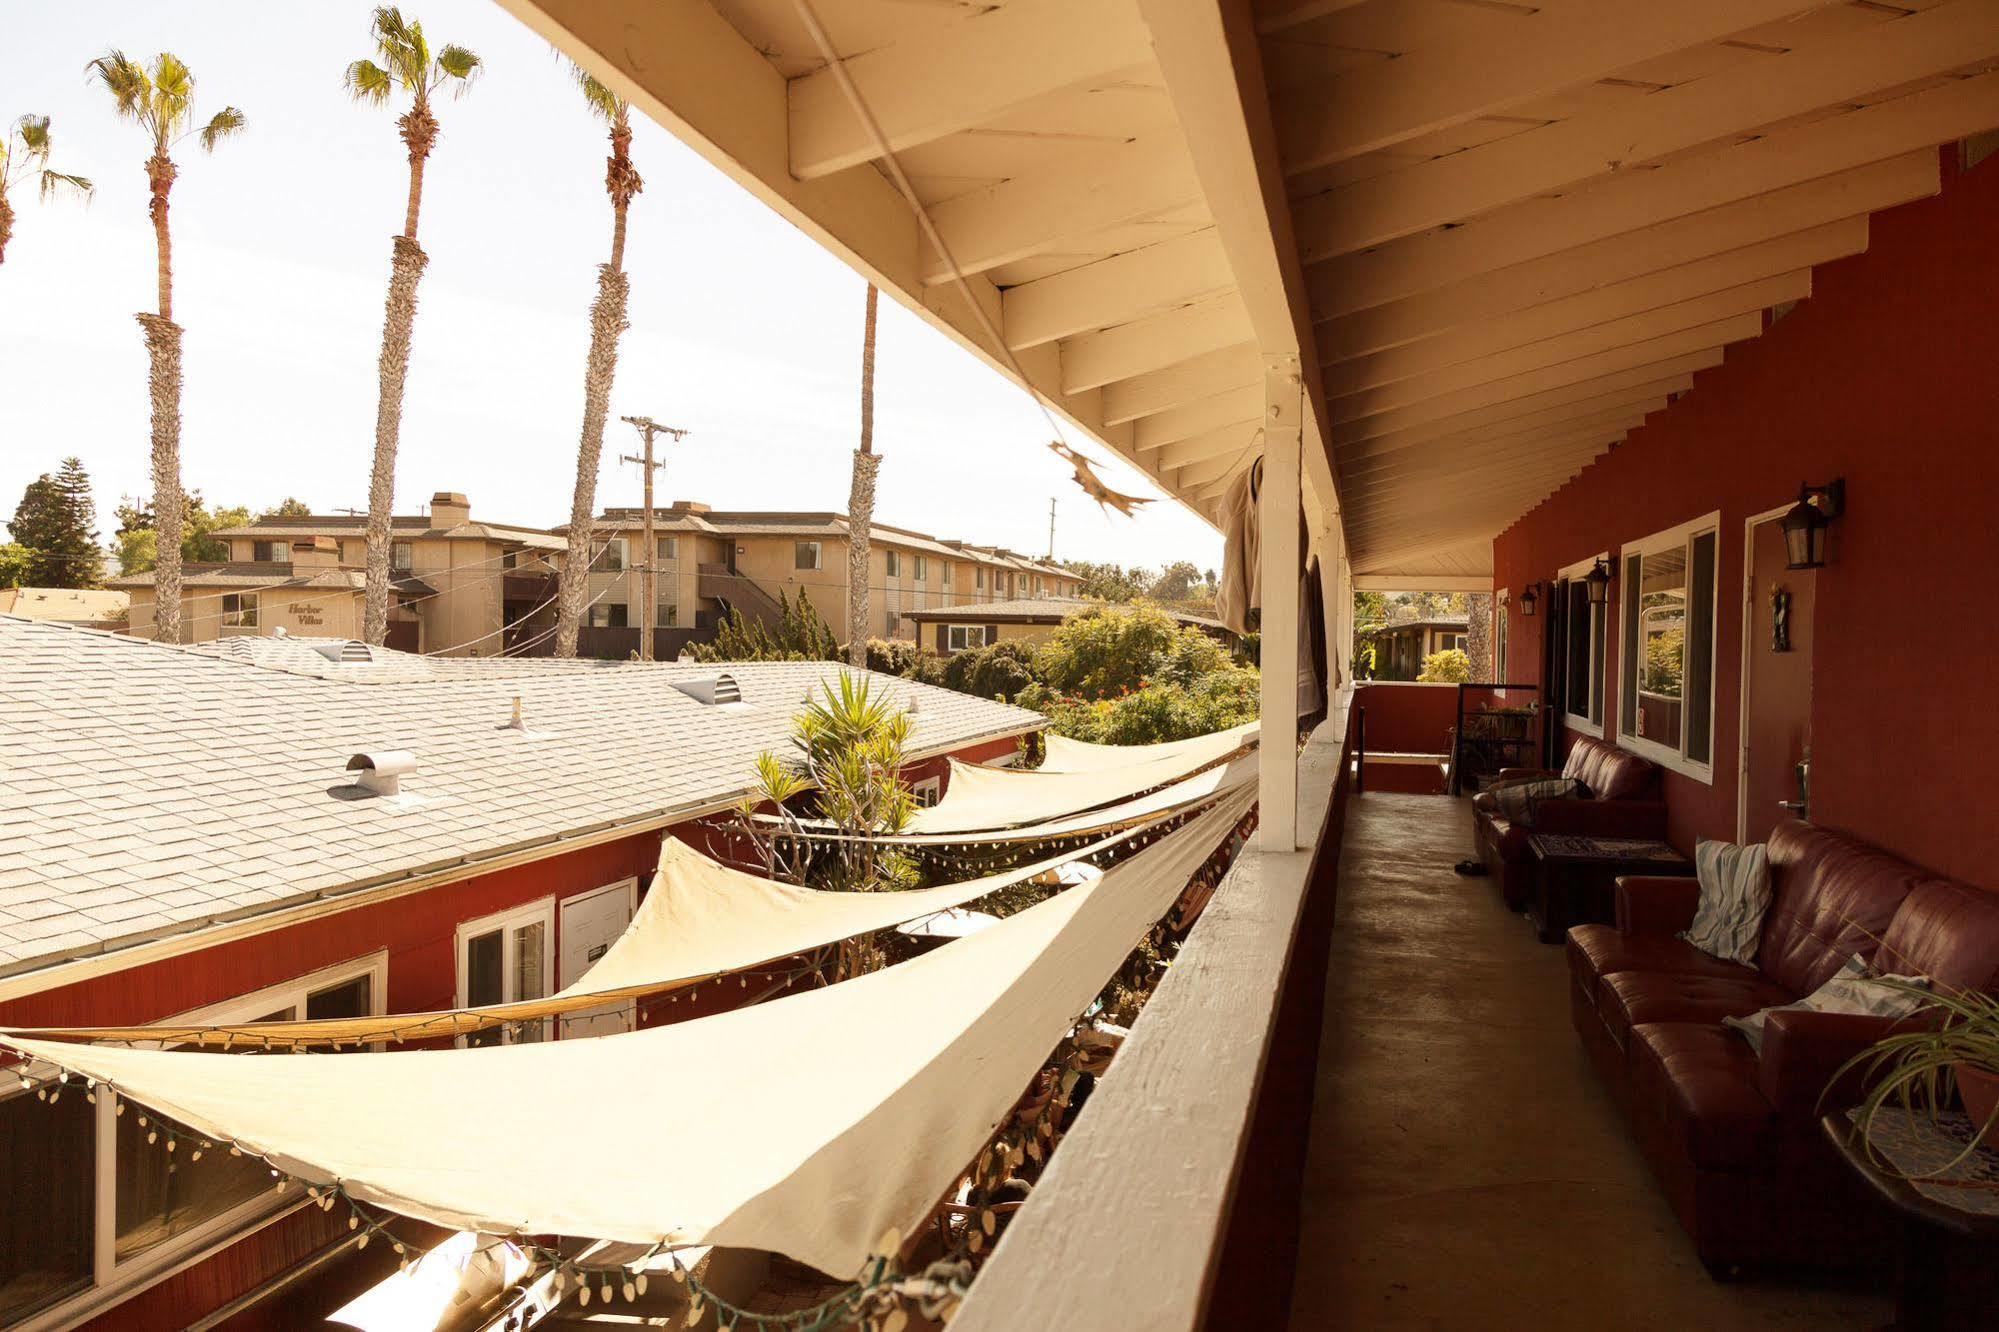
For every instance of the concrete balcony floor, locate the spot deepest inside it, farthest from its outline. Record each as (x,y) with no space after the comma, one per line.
(1466,1169)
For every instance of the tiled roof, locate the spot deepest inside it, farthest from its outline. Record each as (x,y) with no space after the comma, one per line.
(1029,609)
(807,525)
(150,789)
(401,525)
(254,575)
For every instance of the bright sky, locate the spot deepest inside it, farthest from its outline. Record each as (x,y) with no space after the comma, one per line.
(741,327)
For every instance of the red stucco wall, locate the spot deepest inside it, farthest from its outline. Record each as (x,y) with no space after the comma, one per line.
(1888,376)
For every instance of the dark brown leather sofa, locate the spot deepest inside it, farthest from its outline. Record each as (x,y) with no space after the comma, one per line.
(1733,1137)
(1623,802)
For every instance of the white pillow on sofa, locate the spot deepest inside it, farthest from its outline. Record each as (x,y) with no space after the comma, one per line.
(1735,894)
(1852,989)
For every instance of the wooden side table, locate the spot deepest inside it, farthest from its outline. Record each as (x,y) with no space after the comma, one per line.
(1575,877)
(1948,1276)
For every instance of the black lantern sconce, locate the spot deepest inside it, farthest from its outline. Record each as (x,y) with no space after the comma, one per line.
(1598,580)
(1805,525)
(1529,598)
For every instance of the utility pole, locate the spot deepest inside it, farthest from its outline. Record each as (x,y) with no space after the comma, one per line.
(648,568)
(1051,529)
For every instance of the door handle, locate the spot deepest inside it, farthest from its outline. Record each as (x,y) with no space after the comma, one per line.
(1795,806)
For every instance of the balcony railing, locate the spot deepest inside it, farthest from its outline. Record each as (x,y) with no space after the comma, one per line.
(1177,1190)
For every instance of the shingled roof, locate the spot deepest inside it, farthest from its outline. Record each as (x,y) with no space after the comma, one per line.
(152,789)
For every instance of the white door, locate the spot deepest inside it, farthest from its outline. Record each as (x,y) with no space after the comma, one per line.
(591,922)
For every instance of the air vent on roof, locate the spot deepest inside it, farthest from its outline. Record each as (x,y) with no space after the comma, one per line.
(722,689)
(344,649)
(381,773)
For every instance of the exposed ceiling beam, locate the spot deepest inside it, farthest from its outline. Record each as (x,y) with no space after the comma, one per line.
(1422,582)
(1360,460)
(1511,418)
(1619,300)
(1752,297)
(1116,290)
(1090,360)
(1628,200)
(1372,496)
(1283,15)
(1472,459)
(1197,418)
(1419,92)
(1212,63)
(1457,521)
(1202,377)
(962,74)
(1598,375)
(1834,71)
(1027,214)
(1207,470)
(1229,441)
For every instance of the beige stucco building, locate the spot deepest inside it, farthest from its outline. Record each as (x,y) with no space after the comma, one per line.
(462,588)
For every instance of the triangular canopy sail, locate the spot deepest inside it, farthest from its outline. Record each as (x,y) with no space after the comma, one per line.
(1061,754)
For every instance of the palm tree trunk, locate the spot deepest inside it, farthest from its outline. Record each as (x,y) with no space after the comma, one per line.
(607,321)
(861,500)
(398,322)
(163,384)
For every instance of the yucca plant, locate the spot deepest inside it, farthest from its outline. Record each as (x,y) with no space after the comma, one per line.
(1915,1070)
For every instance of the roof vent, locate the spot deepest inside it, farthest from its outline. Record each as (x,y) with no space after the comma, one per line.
(344,650)
(722,690)
(382,772)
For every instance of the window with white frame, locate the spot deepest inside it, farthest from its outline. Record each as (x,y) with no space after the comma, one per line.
(963,636)
(239,610)
(97,1210)
(1583,650)
(402,556)
(271,552)
(1037,585)
(928,791)
(805,555)
(667,615)
(979,576)
(892,563)
(1499,658)
(610,615)
(919,570)
(1450,642)
(503,959)
(1666,647)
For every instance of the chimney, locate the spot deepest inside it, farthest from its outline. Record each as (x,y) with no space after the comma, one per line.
(311,554)
(448,508)
(689,506)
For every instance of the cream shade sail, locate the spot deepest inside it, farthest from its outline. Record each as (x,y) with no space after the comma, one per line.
(1065,755)
(807,1126)
(699,920)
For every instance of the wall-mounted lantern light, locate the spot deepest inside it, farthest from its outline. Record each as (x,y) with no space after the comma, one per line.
(1805,525)
(1598,579)
(1529,598)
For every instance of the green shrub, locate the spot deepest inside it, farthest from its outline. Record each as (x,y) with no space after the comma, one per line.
(1451,666)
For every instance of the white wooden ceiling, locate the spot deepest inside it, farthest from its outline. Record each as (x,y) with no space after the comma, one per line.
(1500,233)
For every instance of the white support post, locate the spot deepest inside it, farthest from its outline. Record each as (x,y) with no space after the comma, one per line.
(1279,505)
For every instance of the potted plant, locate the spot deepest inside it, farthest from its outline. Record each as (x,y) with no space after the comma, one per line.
(1956,1045)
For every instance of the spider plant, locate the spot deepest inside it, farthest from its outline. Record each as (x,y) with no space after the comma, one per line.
(1915,1069)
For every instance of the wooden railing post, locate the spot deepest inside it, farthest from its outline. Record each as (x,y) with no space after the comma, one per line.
(1280,505)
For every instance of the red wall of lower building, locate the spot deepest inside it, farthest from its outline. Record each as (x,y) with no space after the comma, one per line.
(1888,376)
(1408,718)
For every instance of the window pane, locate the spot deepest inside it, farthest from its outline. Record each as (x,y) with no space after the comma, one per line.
(1662,645)
(805,555)
(46,1177)
(1627,692)
(400,555)
(527,971)
(1700,650)
(1576,687)
(162,1194)
(351,999)
(485,976)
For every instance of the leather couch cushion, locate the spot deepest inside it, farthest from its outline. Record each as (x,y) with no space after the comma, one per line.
(1700,1080)
(1610,773)
(1596,951)
(1509,837)
(1832,897)
(1947,931)
(1628,999)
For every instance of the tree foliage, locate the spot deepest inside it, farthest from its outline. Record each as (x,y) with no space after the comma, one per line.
(288,507)
(1132,675)
(1451,666)
(1178,581)
(137,537)
(998,670)
(56,525)
(14,564)
(1109,582)
(800,635)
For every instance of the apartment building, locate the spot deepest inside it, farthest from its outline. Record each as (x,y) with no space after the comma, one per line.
(706,561)
(462,587)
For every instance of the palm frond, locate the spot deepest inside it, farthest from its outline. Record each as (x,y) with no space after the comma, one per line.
(459,64)
(52,181)
(131,91)
(402,48)
(602,100)
(34,131)
(173,86)
(220,126)
(367,81)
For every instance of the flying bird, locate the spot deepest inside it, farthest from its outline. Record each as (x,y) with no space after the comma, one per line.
(1106,498)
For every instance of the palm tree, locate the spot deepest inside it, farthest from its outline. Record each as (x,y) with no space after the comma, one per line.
(160,101)
(861,500)
(607,321)
(407,64)
(24,152)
